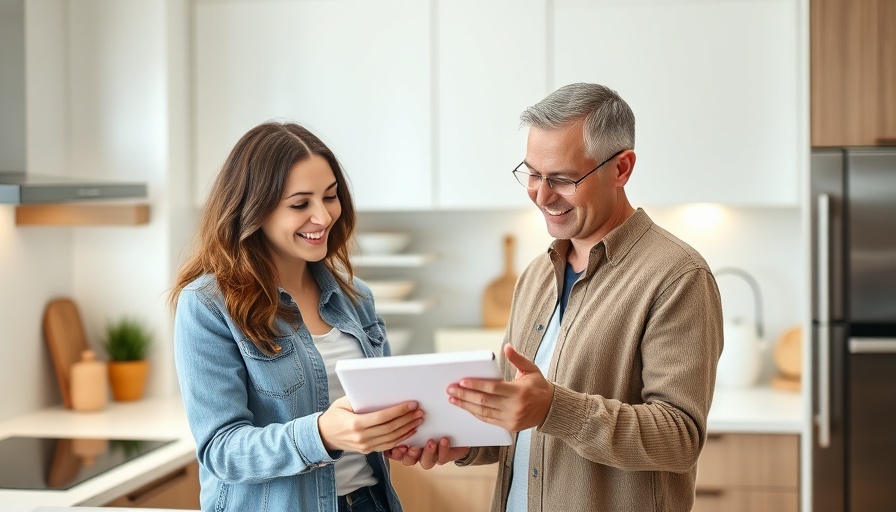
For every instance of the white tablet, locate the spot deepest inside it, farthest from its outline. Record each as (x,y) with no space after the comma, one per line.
(375,383)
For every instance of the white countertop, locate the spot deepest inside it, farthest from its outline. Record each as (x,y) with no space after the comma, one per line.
(754,410)
(145,419)
(758,410)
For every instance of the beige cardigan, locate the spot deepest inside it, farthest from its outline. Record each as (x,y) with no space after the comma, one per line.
(634,370)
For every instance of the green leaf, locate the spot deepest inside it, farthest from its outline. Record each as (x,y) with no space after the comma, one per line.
(127,339)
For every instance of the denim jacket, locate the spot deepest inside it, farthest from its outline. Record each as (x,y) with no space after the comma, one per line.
(254,416)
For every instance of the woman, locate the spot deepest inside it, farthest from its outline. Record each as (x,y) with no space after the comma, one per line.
(264,307)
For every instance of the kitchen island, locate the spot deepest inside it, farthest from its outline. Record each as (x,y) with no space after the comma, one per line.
(749,411)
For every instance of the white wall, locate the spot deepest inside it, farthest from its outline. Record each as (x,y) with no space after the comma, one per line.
(34,267)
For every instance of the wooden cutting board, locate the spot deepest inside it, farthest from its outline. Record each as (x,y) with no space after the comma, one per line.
(499,292)
(64,334)
(788,358)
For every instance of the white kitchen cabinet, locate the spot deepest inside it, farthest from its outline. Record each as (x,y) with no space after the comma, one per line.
(491,57)
(355,72)
(715,87)
(420,99)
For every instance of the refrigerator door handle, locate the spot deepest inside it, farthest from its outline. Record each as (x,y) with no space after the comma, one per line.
(823,419)
(872,345)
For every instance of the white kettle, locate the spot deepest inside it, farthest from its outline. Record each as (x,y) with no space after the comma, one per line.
(741,361)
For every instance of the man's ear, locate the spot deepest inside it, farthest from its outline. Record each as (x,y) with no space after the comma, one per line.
(625,164)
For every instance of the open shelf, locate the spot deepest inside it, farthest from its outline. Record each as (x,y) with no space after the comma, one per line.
(392,260)
(82,214)
(404,307)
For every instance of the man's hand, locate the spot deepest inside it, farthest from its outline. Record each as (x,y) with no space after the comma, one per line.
(342,429)
(517,405)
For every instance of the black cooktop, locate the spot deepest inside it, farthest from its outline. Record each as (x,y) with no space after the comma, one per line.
(54,463)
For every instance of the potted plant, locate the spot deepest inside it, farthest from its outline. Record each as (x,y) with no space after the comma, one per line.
(127,342)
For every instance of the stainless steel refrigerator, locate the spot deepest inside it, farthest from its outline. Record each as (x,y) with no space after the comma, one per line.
(854,329)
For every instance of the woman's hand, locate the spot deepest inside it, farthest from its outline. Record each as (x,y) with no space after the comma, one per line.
(429,456)
(342,429)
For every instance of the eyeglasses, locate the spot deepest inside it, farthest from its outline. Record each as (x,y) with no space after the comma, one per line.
(562,186)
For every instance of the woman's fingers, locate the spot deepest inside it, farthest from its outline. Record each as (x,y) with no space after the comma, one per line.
(394,437)
(387,428)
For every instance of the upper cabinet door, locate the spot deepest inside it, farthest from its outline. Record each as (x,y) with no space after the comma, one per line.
(491,64)
(355,72)
(853,66)
(715,86)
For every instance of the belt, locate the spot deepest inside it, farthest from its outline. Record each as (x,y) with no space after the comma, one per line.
(357,494)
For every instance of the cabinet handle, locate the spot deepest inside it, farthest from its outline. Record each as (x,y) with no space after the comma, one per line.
(157,486)
(709,491)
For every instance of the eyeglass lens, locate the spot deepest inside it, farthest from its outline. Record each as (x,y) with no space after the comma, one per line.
(533,181)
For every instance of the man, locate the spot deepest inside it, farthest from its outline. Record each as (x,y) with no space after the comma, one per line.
(613,339)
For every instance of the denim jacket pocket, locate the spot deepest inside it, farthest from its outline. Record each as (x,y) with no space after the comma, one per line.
(278,375)
(376,335)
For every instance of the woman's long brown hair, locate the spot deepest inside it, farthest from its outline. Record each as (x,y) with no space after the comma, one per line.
(230,244)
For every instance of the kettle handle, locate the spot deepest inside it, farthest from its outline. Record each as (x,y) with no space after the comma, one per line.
(757,294)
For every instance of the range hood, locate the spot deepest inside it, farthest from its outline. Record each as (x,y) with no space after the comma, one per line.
(22,188)
(16,185)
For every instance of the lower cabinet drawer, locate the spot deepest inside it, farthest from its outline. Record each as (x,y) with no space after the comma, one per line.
(178,489)
(751,460)
(749,473)
(447,488)
(729,500)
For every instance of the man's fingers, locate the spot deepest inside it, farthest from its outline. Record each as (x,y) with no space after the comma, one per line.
(484,403)
(519,362)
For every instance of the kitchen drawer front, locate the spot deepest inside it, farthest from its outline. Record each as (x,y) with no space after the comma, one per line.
(750,461)
(447,488)
(729,500)
(178,489)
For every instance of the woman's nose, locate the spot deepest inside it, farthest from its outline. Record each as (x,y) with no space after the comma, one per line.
(320,215)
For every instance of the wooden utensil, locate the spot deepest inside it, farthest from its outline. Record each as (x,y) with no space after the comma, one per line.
(64,334)
(499,292)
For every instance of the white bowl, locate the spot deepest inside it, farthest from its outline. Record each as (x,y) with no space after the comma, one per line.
(391,289)
(382,242)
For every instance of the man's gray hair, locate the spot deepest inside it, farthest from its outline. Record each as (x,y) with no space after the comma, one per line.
(609,121)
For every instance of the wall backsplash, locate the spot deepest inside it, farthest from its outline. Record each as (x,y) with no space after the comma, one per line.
(34,264)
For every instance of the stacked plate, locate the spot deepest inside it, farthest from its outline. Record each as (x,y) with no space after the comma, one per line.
(390,289)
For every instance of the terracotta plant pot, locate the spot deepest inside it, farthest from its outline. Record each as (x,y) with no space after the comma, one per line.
(128,379)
